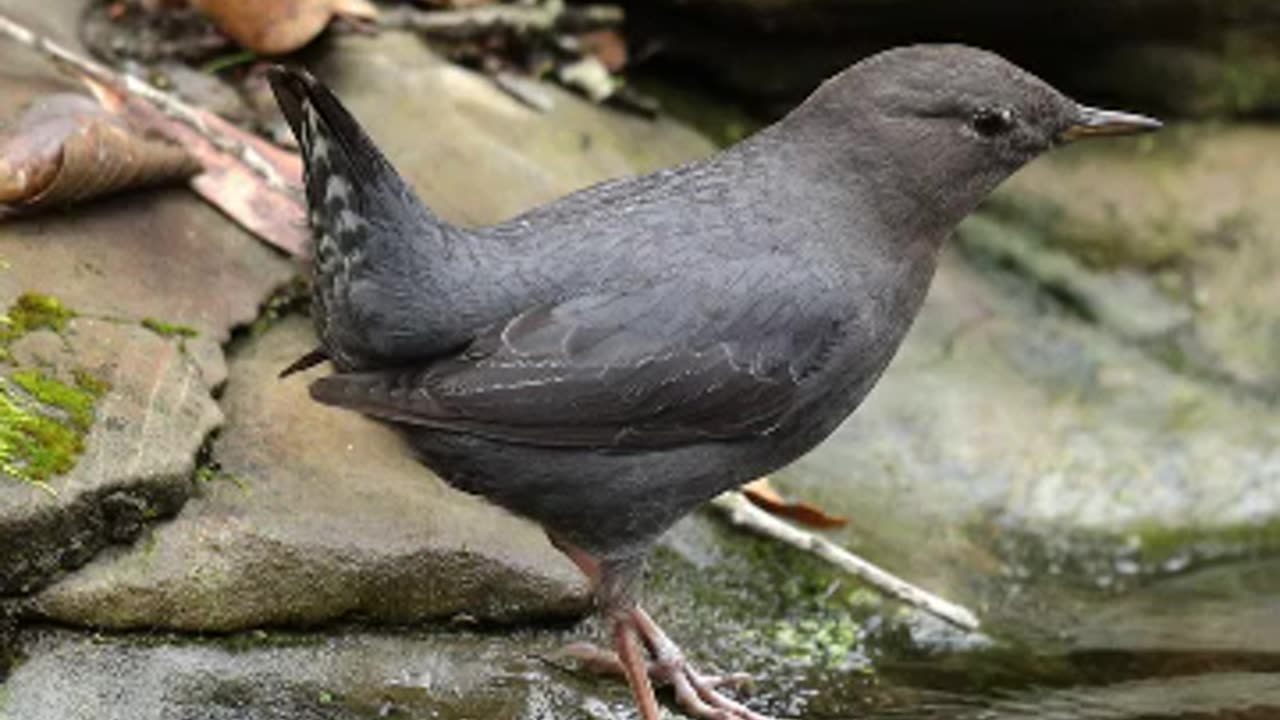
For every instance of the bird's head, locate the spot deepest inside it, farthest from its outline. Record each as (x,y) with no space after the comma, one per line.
(949,122)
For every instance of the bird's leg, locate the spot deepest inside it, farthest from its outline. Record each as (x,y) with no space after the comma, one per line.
(631,655)
(643,652)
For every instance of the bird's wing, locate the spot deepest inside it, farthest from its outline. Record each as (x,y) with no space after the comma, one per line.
(649,369)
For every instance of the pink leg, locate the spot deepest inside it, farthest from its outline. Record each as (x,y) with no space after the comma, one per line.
(658,657)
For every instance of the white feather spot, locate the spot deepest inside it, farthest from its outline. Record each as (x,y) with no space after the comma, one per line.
(337,189)
(347,221)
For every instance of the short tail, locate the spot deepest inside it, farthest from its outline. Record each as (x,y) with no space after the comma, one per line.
(344,169)
(366,220)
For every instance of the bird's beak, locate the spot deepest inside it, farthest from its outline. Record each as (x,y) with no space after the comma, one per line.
(1091,122)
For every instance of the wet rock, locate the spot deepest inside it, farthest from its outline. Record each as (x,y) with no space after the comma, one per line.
(1125,301)
(315,515)
(1228,609)
(272,677)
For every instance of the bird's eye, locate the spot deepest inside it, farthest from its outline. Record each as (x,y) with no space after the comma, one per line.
(990,122)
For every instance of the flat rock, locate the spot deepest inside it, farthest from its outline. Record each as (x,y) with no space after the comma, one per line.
(317,515)
(442,675)
(162,256)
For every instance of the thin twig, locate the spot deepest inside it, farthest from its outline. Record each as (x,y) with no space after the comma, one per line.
(743,513)
(162,101)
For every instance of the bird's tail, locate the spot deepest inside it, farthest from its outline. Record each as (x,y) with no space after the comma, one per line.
(367,223)
(349,183)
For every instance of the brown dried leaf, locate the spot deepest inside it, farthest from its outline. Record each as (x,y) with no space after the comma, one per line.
(761,493)
(275,214)
(608,46)
(275,27)
(67,148)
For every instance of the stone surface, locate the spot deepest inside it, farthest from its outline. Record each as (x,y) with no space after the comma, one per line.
(1190,205)
(317,515)
(159,254)
(443,676)
(138,458)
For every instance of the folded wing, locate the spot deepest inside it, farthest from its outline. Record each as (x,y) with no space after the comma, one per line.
(650,369)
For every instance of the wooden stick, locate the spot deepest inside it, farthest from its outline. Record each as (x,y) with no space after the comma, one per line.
(742,513)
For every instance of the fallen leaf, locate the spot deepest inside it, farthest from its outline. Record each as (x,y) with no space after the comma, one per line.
(66,148)
(275,27)
(234,178)
(608,46)
(762,494)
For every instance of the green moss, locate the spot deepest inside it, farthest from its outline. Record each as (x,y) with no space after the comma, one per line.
(830,640)
(34,311)
(90,383)
(43,422)
(169,330)
(76,401)
(34,447)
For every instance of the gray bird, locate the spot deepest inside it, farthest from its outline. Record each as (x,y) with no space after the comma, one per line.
(606,363)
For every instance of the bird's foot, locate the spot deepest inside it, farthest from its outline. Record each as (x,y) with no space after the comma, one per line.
(696,693)
(600,661)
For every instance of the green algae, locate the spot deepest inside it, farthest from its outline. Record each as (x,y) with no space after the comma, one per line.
(168,329)
(32,311)
(43,419)
(74,400)
(43,423)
